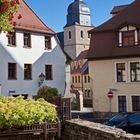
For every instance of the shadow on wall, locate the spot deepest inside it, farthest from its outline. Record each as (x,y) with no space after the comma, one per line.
(49,58)
(20,57)
(19,85)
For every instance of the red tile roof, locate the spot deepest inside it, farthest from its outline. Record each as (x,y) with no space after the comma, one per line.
(82,63)
(83,69)
(30,21)
(82,55)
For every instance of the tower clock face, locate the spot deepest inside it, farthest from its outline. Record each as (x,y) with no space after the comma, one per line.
(85,9)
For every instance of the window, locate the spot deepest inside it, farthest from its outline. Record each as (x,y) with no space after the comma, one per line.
(75,79)
(135,71)
(12,71)
(24,95)
(88,79)
(72,79)
(16,95)
(69,34)
(122,103)
(48,42)
(88,93)
(128,38)
(89,35)
(121,72)
(78,79)
(27,40)
(82,35)
(27,71)
(135,103)
(85,78)
(48,72)
(11,38)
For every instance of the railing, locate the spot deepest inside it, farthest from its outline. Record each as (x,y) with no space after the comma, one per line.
(44,131)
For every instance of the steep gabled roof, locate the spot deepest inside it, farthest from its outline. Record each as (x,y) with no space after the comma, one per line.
(80,69)
(105,38)
(30,21)
(129,16)
(82,55)
(118,9)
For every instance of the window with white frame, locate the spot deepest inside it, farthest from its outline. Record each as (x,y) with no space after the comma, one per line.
(27,40)
(11,38)
(135,103)
(135,71)
(128,36)
(122,106)
(48,42)
(121,72)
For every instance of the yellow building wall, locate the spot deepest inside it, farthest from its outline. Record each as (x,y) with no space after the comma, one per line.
(103,75)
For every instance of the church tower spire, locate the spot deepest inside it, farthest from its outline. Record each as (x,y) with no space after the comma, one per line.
(76,38)
(78,13)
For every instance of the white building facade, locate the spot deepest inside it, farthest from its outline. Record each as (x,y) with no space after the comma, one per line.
(28,52)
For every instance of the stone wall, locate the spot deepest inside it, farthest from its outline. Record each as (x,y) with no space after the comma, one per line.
(77,129)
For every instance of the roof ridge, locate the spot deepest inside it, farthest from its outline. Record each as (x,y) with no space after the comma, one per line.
(36,18)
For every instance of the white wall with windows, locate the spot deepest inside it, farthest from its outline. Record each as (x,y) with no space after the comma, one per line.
(30,62)
(122,77)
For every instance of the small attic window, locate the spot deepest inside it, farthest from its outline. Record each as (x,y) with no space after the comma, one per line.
(128,36)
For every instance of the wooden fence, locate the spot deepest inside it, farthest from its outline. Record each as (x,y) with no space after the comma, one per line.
(44,131)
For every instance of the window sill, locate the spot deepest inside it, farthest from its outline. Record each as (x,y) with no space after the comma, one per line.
(128,46)
(10,45)
(27,47)
(12,79)
(46,49)
(119,83)
(28,79)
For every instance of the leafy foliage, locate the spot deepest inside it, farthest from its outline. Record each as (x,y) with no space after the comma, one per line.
(7,10)
(20,112)
(47,93)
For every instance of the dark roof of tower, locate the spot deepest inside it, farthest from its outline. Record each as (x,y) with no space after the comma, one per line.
(74,10)
(76,6)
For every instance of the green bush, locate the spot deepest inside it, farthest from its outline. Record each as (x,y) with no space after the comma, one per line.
(20,112)
(47,93)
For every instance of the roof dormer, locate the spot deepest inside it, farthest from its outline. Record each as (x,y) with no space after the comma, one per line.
(128,36)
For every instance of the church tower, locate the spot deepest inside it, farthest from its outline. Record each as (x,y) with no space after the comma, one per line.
(76,37)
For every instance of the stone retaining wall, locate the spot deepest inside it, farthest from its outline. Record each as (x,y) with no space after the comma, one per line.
(77,129)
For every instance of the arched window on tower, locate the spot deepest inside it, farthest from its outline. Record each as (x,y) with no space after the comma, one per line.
(82,34)
(69,34)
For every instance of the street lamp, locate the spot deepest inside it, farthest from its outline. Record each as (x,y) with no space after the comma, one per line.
(41,79)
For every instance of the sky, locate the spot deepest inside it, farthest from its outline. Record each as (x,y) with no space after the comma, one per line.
(53,12)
